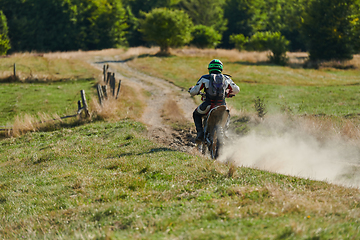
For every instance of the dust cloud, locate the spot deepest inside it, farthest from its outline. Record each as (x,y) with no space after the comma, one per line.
(295,151)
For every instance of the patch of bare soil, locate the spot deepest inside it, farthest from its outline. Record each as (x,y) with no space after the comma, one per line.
(168,113)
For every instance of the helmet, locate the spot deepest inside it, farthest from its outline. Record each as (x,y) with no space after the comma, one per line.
(215,66)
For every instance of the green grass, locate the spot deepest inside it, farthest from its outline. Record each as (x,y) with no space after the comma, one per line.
(51,98)
(105,180)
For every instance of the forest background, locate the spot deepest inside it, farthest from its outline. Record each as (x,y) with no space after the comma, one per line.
(327,29)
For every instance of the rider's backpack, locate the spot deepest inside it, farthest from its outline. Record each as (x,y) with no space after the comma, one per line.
(217,85)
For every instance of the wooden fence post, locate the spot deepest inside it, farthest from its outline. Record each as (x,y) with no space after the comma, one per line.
(85,106)
(14,70)
(108,77)
(100,93)
(104,88)
(79,107)
(113,84)
(117,94)
(104,73)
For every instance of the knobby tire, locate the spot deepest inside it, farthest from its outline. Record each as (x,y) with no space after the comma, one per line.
(216,144)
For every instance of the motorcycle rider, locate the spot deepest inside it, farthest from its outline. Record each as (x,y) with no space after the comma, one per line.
(217,87)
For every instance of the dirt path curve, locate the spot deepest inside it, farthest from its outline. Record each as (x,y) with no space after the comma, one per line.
(161,92)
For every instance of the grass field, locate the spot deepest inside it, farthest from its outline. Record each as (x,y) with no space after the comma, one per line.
(104,180)
(51,98)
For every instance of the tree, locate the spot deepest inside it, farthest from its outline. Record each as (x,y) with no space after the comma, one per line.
(138,6)
(239,15)
(205,37)
(250,16)
(206,13)
(62,25)
(167,28)
(100,24)
(4,39)
(134,10)
(281,16)
(329,29)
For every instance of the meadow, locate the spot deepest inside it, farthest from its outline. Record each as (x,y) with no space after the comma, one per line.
(102,179)
(324,91)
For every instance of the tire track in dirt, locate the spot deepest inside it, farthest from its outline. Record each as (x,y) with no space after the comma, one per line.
(161,92)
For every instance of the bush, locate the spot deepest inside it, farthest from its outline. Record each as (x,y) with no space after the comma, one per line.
(205,37)
(273,41)
(239,40)
(167,28)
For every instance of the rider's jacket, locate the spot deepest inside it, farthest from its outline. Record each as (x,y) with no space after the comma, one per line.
(210,101)
(204,82)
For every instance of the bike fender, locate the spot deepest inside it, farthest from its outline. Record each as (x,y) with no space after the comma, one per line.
(203,111)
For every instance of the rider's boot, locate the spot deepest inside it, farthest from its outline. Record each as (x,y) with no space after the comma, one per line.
(199,126)
(199,136)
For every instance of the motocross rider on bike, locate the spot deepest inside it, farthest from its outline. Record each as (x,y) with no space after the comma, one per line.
(217,87)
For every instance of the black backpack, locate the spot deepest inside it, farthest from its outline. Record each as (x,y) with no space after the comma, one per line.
(217,85)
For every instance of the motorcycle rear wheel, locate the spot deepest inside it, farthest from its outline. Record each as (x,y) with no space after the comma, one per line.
(202,147)
(216,143)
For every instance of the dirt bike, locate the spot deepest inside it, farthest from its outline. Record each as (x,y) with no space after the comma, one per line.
(214,126)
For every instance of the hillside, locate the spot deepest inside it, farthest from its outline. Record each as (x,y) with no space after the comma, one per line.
(114,179)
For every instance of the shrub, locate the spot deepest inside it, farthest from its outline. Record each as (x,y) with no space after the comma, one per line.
(239,40)
(273,41)
(205,37)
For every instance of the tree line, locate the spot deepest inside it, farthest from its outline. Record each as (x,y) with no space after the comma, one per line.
(327,29)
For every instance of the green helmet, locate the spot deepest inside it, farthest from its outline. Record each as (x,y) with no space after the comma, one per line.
(215,66)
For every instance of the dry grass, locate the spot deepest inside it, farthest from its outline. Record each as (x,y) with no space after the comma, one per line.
(22,125)
(130,104)
(28,123)
(296,59)
(172,114)
(125,53)
(231,55)
(32,67)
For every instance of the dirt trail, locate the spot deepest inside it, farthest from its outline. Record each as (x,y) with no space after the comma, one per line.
(161,92)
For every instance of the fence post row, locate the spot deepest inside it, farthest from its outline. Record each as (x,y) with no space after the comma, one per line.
(109,79)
